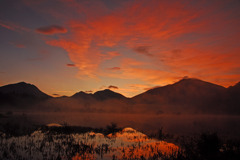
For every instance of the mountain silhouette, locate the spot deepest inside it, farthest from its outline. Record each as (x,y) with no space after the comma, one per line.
(23,88)
(99,95)
(82,95)
(235,89)
(188,95)
(233,97)
(107,94)
(21,94)
(185,87)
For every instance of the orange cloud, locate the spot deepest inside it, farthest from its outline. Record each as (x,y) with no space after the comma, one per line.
(86,63)
(205,64)
(179,38)
(70,65)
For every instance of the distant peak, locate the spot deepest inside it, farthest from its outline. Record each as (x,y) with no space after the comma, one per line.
(107,94)
(188,79)
(197,82)
(193,81)
(105,90)
(23,88)
(19,84)
(23,83)
(82,94)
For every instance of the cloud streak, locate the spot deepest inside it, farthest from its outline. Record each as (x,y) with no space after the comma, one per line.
(12,26)
(112,87)
(70,65)
(52,29)
(114,68)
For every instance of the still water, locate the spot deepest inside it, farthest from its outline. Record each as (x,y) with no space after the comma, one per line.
(225,125)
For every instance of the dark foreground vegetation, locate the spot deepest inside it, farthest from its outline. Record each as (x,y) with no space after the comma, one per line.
(208,146)
(18,129)
(205,146)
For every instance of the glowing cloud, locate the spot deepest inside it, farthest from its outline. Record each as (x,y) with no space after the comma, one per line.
(154,42)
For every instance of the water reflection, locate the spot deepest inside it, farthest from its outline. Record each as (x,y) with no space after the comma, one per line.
(125,144)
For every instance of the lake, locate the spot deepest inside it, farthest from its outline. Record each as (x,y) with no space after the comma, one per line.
(224,125)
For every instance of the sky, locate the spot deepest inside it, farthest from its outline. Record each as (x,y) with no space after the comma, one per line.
(128,46)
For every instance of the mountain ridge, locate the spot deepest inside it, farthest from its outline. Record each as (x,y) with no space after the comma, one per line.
(187,95)
(22,88)
(21,95)
(99,95)
(84,93)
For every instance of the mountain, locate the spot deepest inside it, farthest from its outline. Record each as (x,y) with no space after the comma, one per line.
(22,93)
(99,95)
(185,87)
(186,95)
(235,89)
(233,97)
(107,94)
(82,95)
(23,88)
(100,101)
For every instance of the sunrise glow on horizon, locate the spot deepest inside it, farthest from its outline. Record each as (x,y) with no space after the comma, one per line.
(129,46)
